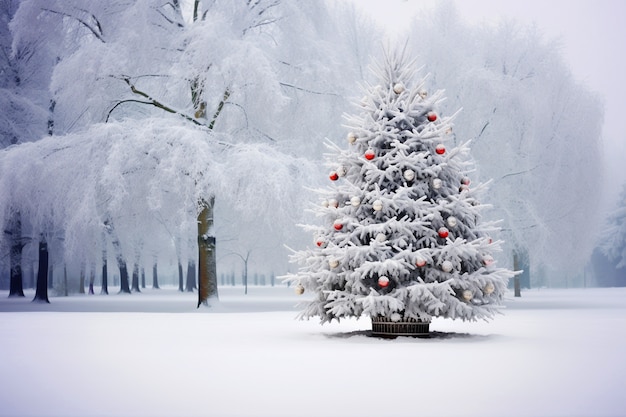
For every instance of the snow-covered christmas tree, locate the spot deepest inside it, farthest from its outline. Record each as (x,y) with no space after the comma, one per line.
(402,239)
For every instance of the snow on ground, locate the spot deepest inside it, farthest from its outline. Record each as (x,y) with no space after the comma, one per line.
(553,353)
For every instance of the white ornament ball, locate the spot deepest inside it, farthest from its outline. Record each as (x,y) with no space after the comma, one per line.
(333,262)
(342,171)
(409,175)
(398,88)
(451,221)
(381,238)
(355,201)
(333,203)
(423,93)
(325,203)
(377,205)
(467,295)
(299,289)
(446,266)
(351,137)
(489,288)
(437,183)
(487,260)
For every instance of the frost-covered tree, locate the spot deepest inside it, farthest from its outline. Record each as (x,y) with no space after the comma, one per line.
(402,240)
(143,63)
(613,243)
(532,126)
(25,68)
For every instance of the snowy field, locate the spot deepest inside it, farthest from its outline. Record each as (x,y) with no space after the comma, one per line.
(553,353)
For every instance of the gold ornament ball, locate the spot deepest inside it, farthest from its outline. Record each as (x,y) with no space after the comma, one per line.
(355,201)
(467,295)
(489,288)
(299,289)
(446,266)
(409,175)
(381,238)
(351,137)
(423,94)
(398,88)
(377,205)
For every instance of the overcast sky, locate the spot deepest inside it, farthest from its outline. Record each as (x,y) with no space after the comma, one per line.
(593,34)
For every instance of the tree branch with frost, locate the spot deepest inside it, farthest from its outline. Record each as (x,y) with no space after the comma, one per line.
(512,174)
(220,107)
(97,33)
(153,102)
(321,93)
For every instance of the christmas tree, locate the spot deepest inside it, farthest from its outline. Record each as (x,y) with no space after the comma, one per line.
(402,239)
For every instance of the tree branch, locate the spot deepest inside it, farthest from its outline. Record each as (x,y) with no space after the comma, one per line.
(308,91)
(96,33)
(519,173)
(153,102)
(220,107)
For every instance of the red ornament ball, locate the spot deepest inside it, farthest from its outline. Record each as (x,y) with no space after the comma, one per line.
(383,282)
(420,261)
(333,176)
(465,181)
(440,149)
(369,154)
(320,242)
(338,225)
(431,116)
(443,232)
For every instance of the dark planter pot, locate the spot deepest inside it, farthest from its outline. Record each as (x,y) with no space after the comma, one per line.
(385,327)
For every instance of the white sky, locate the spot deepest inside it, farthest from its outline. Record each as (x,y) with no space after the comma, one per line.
(593,33)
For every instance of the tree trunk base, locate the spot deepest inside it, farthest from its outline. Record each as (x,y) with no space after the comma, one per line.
(387,328)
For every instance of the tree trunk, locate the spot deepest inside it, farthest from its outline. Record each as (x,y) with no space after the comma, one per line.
(136,278)
(65,289)
(143,277)
(41,292)
(81,282)
(92,278)
(105,273)
(50,274)
(181,288)
(516,280)
(119,257)
(155,276)
(16,288)
(105,276)
(124,285)
(207,265)
(190,284)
